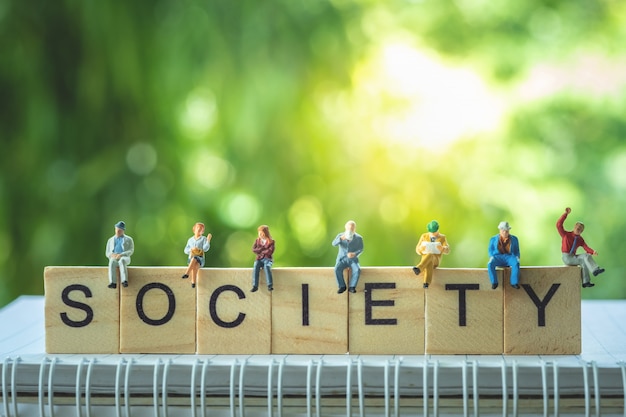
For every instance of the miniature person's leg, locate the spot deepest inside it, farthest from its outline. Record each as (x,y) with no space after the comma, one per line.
(574,260)
(112,271)
(267,266)
(123,263)
(356,272)
(339,267)
(513,262)
(196,263)
(426,266)
(491,267)
(589,263)
(256,269)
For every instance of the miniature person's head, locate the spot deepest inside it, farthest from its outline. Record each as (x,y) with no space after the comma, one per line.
(350,228)
(120,227)
(264,232)
(433,227)
(198,229)
(578,228)
(504,229)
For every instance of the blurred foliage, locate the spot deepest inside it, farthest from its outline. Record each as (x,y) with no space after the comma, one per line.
(302,115)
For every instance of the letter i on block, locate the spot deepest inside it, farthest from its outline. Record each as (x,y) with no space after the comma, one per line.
(158,312)
(543,317)
(82,315)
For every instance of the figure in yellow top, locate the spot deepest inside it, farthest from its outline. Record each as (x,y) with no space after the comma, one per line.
(431,246)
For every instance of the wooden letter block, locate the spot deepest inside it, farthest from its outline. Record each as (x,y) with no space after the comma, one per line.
(463,313)
(543,317)
(231,319)
(82,315)
(158,312)
(387,313)
(308,316)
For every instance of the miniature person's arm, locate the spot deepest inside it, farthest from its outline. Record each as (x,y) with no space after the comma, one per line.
(207,243)
(268,251)
(188,247)
(358,249)
(131,246)
(445,248)
(585,247)
(256,247)
(337,240)
(560,221)
(515,247)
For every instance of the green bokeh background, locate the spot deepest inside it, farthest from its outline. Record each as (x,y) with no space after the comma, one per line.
(302,115)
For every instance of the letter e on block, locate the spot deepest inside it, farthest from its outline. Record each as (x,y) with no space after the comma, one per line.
(81,313)
(231,319)
(543,317)
(158,312)
(387,313)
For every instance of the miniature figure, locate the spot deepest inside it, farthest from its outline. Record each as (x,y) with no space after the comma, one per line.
(119,249)
(431,246)
(570,243)
(196,246)
(350,247)
(504,251)
(264,249)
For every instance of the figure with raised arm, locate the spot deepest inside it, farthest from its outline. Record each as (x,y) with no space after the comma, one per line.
(196,246)
(570,242)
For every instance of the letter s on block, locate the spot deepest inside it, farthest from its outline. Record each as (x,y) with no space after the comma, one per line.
(213,307)
(65,297)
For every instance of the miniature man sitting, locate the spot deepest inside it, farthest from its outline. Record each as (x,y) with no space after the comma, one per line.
(119,249)
(431,246)
(504,251)
(571,241)
(350,247)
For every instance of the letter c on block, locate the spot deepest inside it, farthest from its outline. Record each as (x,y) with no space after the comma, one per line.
(213,307)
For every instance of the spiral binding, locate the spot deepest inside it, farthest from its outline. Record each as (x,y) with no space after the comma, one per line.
(312,387)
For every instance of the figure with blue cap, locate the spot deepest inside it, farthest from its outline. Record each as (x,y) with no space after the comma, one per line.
(504,251)
(119,249)
(431,246)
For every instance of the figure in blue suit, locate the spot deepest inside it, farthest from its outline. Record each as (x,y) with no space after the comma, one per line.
(504,251)
(350,247)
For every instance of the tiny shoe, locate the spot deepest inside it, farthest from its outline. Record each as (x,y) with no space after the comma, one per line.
(112,285)
(588,284)
(598,271)
(193,285)
(516,286)
(416,270)
(270,288)
(494,286)
(341,289)
(425,285)
(352,290)
(185,276)
(254,289)
(125,284)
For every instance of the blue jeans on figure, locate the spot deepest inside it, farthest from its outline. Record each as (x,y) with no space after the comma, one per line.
(266,264)
(504,260)
(353,264)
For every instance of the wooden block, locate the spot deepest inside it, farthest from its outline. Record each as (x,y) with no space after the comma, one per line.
(387,313)
(231,319)
(463,313)
(308,316)
(81,313)
(544,316)
(158,312)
